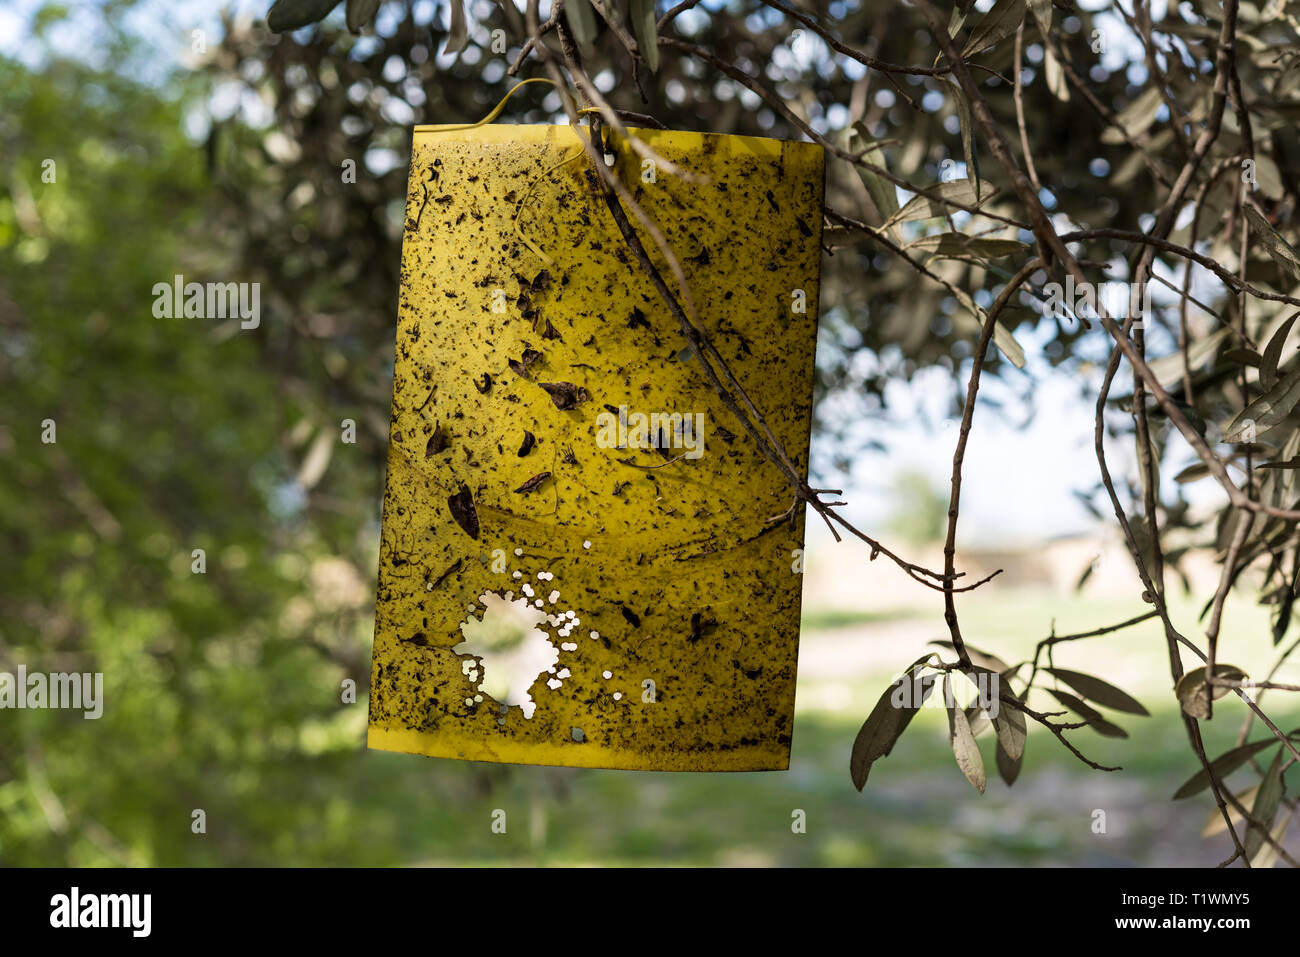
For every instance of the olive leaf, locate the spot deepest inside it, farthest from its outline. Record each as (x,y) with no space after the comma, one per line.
(1283,253)
(960,244)
(887,722)
(968,134)
(1008,767)
(359,13)
(1267,799)
(1194,693)
(1267,410)
(582,21)
(1215,824)
(1011,728)
(998,24)
(645,30)
(1089,714)
(882,191)
(923,207)
(286,15)
(1135,118)
(1096,690)
(458,38)
(1042,11)
(1273,353)
(1222,766)
(1269,854)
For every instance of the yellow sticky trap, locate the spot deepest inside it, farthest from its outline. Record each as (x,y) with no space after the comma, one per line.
(553,587)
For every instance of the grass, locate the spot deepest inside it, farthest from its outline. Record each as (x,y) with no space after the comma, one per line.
(917,809)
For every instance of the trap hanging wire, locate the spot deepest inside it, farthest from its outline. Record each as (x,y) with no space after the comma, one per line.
(576,566)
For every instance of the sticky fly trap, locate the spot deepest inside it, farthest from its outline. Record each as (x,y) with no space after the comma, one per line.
(578,562)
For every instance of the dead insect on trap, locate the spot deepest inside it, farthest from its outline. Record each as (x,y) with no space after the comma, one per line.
(577,565)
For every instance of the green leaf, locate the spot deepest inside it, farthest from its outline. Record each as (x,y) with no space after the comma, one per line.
(1222,766)
(1194,694)
(923,207)
(960,244)
(582,21)
(1243,357)
(964,748)
(1096,690)
(882,191)
(359,13)
(1136,117)
(1268,855)
(1042,11)
(459,35)
(1267,800)
(1008,767)
(646,31)
(1266,411)
(967,136)
(286,15)
(1054,74)
(886,724)
(1095,719)
(980,658)
(998,24)
(1283,253)
(1011,728)
(1273,353)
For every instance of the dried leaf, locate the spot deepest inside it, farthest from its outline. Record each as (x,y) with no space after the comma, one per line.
(565,395)
(533,483)
(1193,692)
(437,443)
(462,510)
(520,366)
(964,748)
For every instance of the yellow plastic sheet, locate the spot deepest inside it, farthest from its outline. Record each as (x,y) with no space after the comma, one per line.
(553,587)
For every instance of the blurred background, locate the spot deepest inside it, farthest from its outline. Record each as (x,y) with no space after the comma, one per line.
(186,139)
